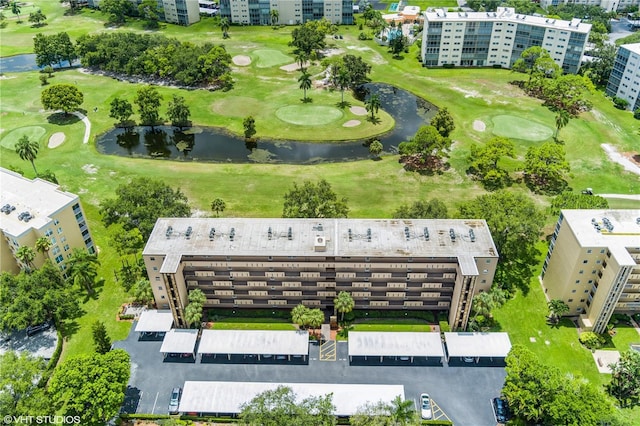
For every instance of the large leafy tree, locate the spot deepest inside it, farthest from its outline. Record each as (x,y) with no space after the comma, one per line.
(357,70)
(82,269)
(178,112)
(567,93)
(249,125)
(432,209)
(28,150)
(121,110)
(139,203)
(150,12)
(65,97)
(19,390)
(482,306)
(484,162)
(37,18)
(344,303)
(148,100)
(309,37)
(218,205)
(427,142)
(541,394)
(45,49)
(625,379)
(545,168)
(443,122)
(91,386)
(282,407)
(599,69)
(313,200)
(515,224)
(117,10)
(29,299)
(571,200)
(64,48)
(536,62)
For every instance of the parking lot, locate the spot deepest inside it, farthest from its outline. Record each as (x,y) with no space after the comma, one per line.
(462,393)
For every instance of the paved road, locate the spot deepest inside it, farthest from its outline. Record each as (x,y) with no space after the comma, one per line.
(463,393)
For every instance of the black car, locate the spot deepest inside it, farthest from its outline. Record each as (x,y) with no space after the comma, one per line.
(34,329)
(500,409)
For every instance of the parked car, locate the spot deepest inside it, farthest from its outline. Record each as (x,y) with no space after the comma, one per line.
(500,409)
(175,400)
(469,359)
(425,406)
(34,329)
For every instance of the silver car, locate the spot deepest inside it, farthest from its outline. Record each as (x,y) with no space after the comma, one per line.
(425,406)
(175,400)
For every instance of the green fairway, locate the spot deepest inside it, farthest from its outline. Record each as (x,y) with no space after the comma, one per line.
(310,115)
(510,126)
(34,133)
(266,58)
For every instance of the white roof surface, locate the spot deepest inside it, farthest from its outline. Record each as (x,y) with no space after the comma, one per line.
(633,47)
(227,397)
(155,321)
(495,345)
(257,342)
(179,341)
(395,344)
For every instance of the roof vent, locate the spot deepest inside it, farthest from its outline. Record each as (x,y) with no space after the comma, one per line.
(289,234)
(320,243)
(232,234)
(269,234)
(452,234)
(350,235)
(188,233)
(212,234)
(169,231)
(426,233)
(369,234)
(472,235)
(407,235)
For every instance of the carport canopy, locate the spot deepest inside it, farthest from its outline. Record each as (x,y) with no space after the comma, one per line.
(155,321)
(477,345)
(227,397)
(254,342)
(362,343)
(179,341)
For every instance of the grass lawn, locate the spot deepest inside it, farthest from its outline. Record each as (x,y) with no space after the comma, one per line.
(265,58)
(520,128)
(34,133)
(252,324)
(385,324)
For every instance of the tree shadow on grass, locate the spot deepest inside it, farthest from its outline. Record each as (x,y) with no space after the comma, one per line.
(68,328)
(62,119)
(306,100)
(343,105)
(374,120)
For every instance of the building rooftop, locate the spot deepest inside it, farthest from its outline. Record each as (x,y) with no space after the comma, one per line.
(179,341)
(38,197)
(507,14)
(154,321)
(395,344)
(634,47)
(256,342)
(228,397)
(495,345)
(177,237)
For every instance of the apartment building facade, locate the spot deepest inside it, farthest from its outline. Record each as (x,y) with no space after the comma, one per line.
(290,12)
(593,264)
(37,208)
(181,12)
(432,265)
(609,5)
(624,81)
(492,39)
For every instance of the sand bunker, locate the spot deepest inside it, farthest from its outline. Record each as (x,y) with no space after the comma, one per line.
(241,60)
(358,110)
(351,123)
(56,140)
(479,126)
(293,67)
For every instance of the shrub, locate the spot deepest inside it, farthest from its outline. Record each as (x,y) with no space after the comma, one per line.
(127,317)
(444,327)
(620,103)
(448,66)
(636,114)
(43,80)
(426,316)
(591,340)
(363,36)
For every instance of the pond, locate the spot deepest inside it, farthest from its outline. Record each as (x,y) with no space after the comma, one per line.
(22,63)
(216,145)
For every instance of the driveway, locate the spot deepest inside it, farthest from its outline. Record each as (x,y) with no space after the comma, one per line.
(463,393)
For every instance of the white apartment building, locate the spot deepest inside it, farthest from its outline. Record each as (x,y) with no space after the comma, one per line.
(290,12)
(485,39)
(610,5)
(624,81)
(181,12)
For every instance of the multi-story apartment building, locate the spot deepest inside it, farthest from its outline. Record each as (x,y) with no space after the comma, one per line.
(593,264)
(485,39)
(37,208)
(624,81)
(420,264)
(182,12)
(290,12)
(605,4)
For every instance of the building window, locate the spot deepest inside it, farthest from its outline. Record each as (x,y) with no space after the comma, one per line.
(59,259)
(586,291)
(585,261)
(53,240)
(155,268)
(56,221)
(602,251)
(66,247)
(159,287)
(577,281)
(589,251)
(570,300)
(152,258)
(59,230)
(598,261)
(63,239)
(573,291)
(161,297)
(157,278)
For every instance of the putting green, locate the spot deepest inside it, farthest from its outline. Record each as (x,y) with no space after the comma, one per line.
(238,106)
(308,115)
(270,58)
(514,127)
(34,133)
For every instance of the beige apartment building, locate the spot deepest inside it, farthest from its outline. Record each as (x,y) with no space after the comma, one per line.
(37,208)
(420,264)
(593,264)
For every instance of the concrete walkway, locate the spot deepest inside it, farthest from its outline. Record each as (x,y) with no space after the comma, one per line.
(87,126)
(614,155)
(622,196)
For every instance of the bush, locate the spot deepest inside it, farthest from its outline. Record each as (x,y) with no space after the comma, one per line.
(444,327)
(620,103)
(636,114)
(448,66)
(220,314)
(426,316)
(43,80)
(126,317)
(591,340)
(363,36)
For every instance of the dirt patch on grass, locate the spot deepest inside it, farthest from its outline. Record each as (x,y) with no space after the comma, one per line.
(241,60)
(293,67)
(351,123)
(358,110)
(90,169)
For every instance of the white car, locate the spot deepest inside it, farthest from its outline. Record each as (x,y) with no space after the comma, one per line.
(425,406)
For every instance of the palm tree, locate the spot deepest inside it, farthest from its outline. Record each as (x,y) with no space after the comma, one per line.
(83,269)
(301,59)
(373,104)
(218,205)
(15,9)
(224,26)
(342,81)
(193,313)
(298,315)
(305,82)
(43,245)
(142,291)
(275,15)
(28,150)
(402,411)
(557,308)
(315,317)
(562,119)
(344,303)
(26,256)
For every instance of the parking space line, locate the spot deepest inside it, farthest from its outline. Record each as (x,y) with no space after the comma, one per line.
(328,351)
(155,402)
(438,413)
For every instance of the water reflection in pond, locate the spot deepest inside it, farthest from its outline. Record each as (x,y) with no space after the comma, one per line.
(216,145)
